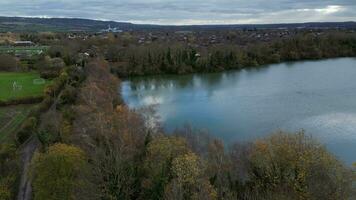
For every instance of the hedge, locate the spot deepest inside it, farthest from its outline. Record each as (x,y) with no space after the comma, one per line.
(23,100)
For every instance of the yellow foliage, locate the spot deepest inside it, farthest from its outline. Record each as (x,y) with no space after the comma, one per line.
(120,109)
(66,130)
(261,146)
(291,160)
(186,168)
(160,153)
(207,191)
(165,148)
(56,173)
(188,180)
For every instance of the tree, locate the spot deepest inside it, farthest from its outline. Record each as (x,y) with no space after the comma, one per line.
(8,63)
(9,171)
(5,190)
(58,173)
(296,166)
(157,165)
(188,181)
(219,169)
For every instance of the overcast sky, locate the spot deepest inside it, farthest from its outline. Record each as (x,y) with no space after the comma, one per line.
(187,11)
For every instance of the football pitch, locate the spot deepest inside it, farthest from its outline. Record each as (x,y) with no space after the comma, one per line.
(32,50)
(21,85)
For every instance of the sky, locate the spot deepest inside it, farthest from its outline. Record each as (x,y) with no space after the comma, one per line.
(187,12)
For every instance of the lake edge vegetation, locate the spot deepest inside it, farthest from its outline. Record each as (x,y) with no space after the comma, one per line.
(154,59)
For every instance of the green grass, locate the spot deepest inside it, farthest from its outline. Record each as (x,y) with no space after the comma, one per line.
(11,119)
(31,50)
(26,88)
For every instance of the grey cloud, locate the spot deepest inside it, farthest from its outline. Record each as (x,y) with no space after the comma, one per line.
(187,11)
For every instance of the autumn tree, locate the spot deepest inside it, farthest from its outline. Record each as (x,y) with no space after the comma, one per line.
(219,168)
(296,166)
(160,154)
(188,180)
(111,135)
(58,173)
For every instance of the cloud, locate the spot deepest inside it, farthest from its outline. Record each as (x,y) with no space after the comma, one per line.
(327,10)
(187,11)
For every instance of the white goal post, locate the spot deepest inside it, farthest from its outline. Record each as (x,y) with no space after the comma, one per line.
(39,81)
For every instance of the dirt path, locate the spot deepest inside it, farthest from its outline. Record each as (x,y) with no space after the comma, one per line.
(25,188)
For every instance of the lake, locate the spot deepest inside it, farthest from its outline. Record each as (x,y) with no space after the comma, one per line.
(242,105)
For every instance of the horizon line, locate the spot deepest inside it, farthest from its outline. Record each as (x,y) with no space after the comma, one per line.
(154,24)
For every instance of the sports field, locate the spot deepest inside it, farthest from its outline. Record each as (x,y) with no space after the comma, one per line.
(32,50)
(20,85)
(11,118)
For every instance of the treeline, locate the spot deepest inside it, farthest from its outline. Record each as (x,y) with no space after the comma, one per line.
(179,59)
(96,148)
(129,58)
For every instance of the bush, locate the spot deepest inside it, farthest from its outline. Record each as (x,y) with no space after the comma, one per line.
(45,105)
(23,100)
(57,85)
(47,137)
(5,192)
(26,130)
(68,95)
(49,74)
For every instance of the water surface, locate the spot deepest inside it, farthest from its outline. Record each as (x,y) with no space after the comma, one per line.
(317,96)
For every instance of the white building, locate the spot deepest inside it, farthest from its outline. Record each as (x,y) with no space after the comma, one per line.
(111,30)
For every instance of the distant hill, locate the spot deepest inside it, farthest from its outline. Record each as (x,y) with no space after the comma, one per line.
(22,24)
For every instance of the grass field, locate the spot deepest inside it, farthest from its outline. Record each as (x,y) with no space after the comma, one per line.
(29,49)
(11,118)
(24,85)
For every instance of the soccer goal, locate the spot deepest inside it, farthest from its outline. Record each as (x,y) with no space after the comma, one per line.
(16,86)
(39,81)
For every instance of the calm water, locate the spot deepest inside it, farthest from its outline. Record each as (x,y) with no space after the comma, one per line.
(317,96)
